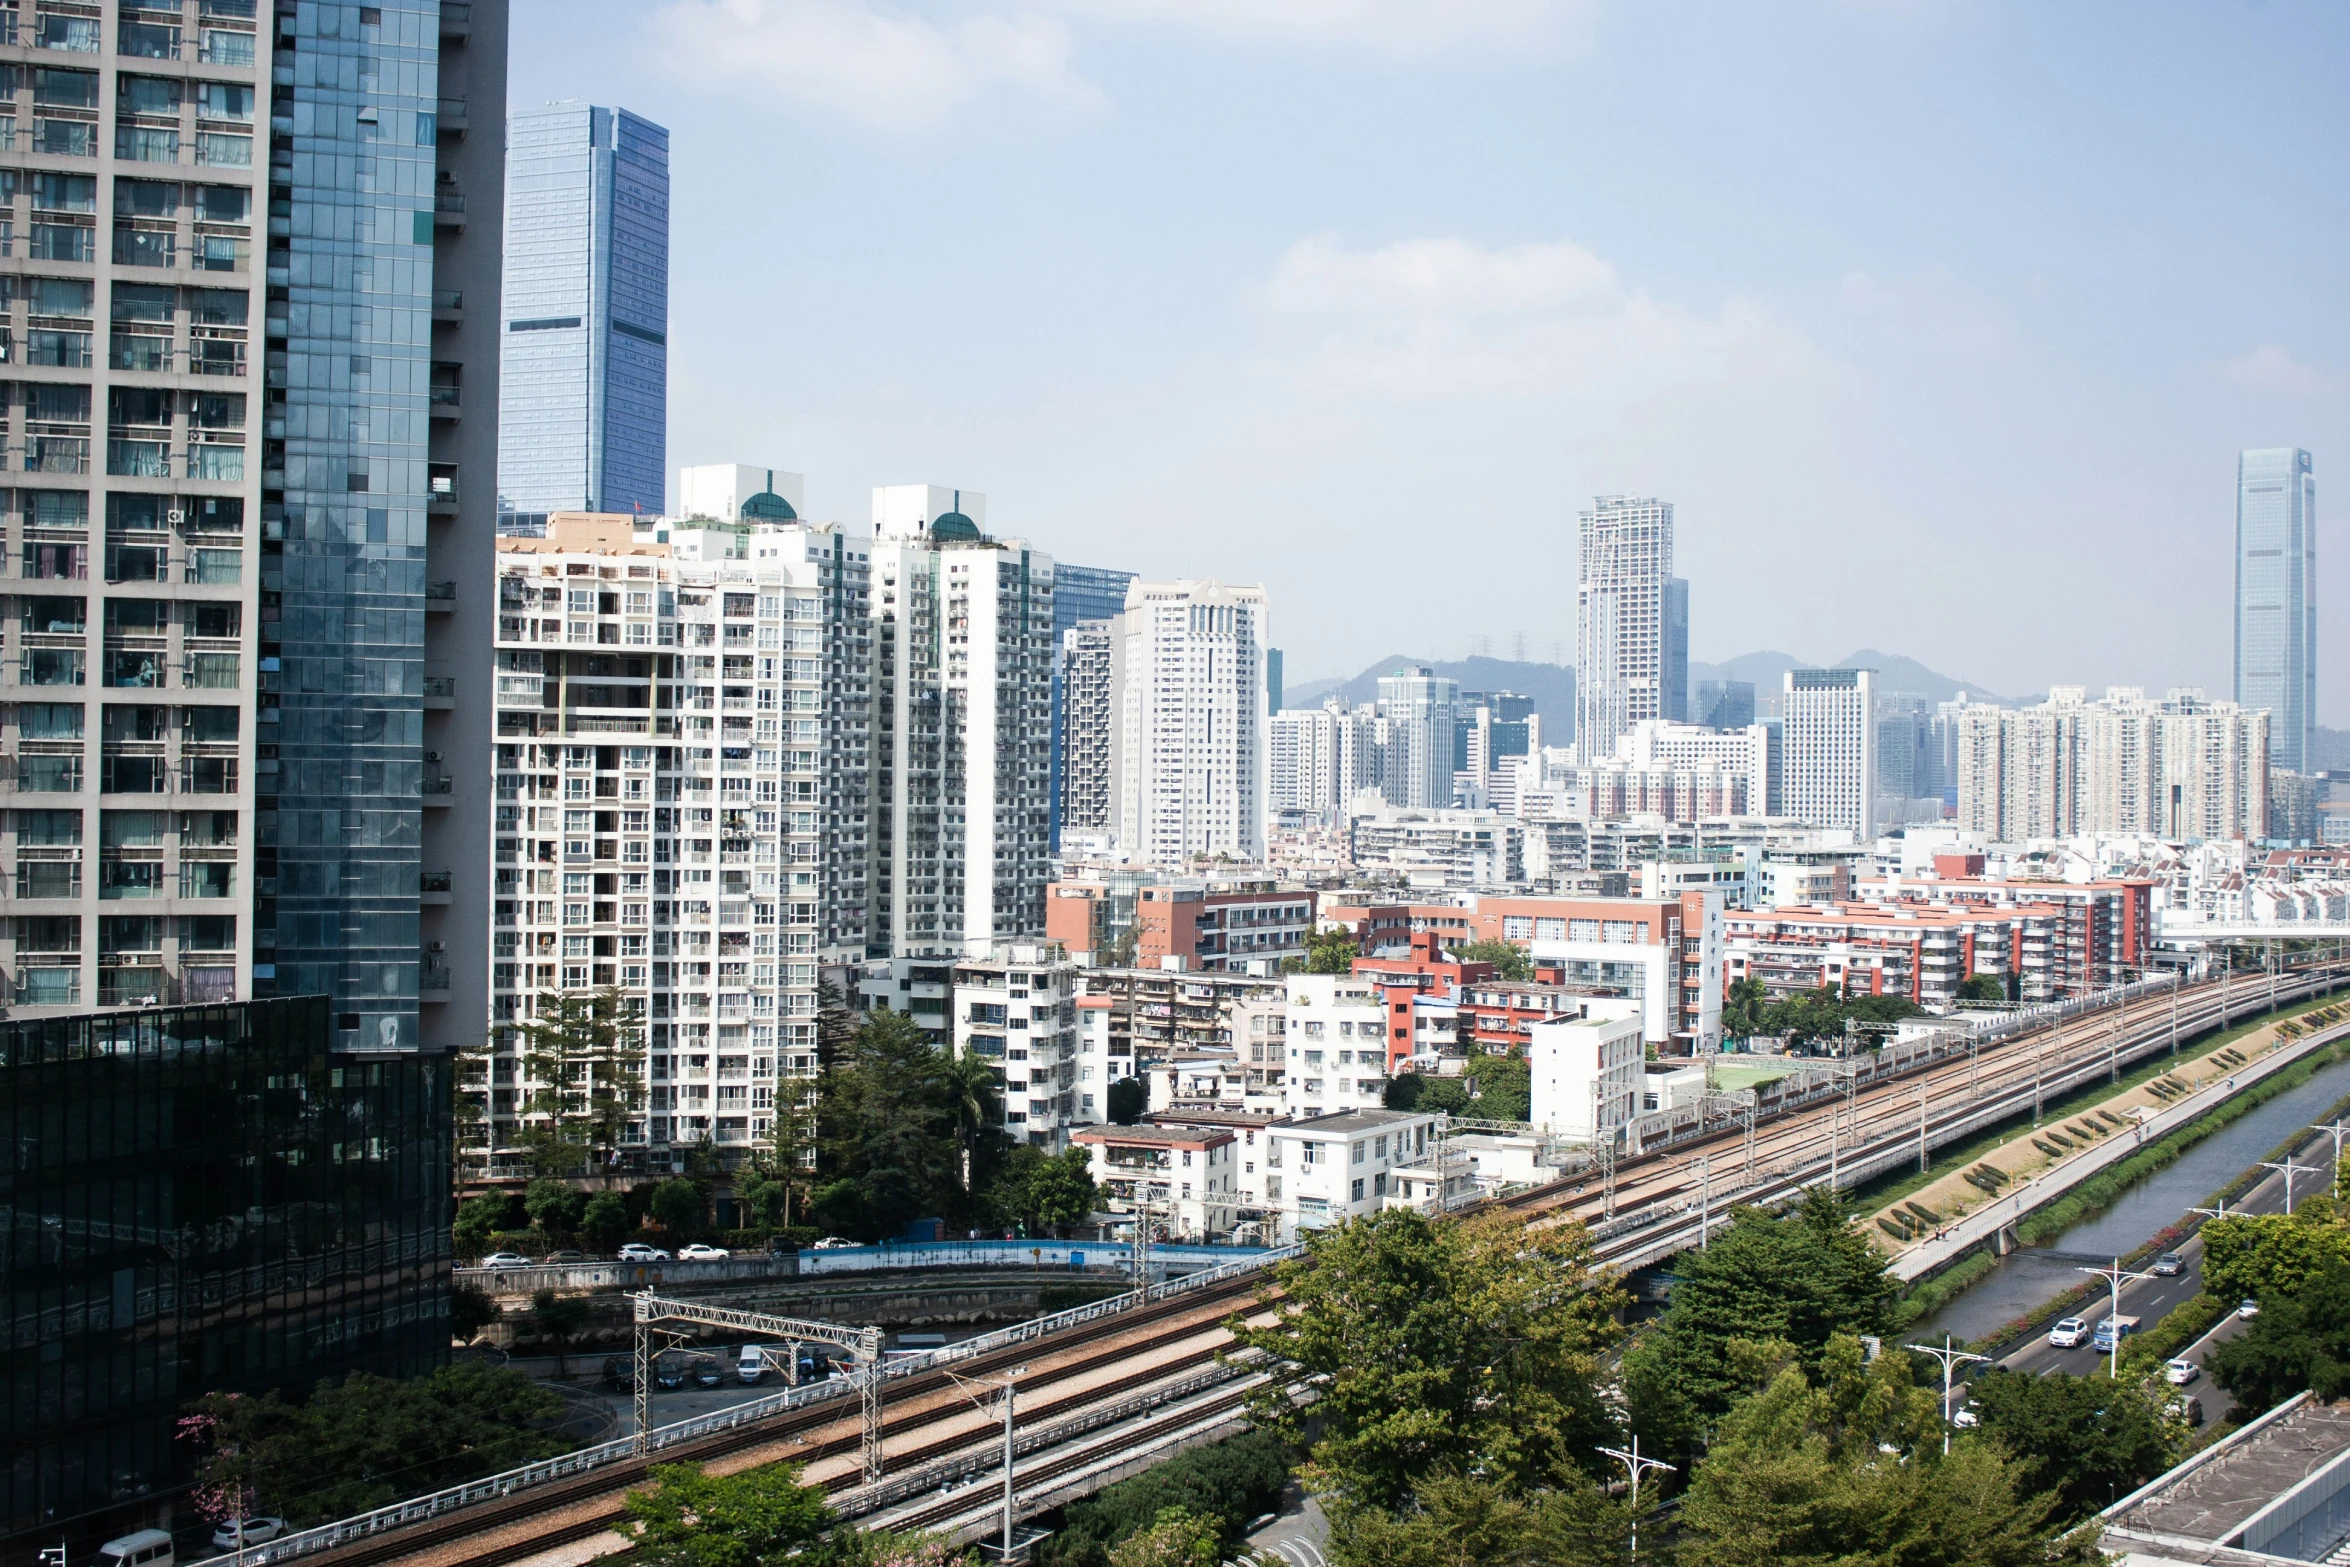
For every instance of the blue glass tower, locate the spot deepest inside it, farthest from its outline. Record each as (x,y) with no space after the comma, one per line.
(2276,598)
(584,366)
(1079,593)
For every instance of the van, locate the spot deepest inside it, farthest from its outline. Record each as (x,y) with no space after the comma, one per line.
(751,1366)
(2111,1331)
(147,1548)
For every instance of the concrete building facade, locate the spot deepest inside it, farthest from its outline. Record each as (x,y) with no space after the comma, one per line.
(1192,755)
(1624,610)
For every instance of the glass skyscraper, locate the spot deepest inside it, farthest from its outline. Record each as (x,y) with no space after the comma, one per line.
(2276,598)
(238,583)
(583,416)
(1079,593)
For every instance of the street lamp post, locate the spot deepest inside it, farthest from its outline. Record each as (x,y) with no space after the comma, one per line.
(1950,1357)
(2288,1169)
(2115,1276)
(1636,1466)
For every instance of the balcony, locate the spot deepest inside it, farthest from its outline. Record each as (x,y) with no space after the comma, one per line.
(440,598)
(441,501)
(451,119)
(448,304)
(456,21)
(448,209)
(440,693)
(432,978)
(436,888)
(438,793)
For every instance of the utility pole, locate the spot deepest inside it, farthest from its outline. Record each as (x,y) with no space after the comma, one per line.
(2174,1012)
(2116,1277)
(1636,1466)
(1008,1383)
(2288,1169)
(1705,1200)
(1921,1093)
(1950,1358)
(2113,1044)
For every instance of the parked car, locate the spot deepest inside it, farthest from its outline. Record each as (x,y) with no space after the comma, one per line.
(2250,1308)
(569,1256)
(638,1251)
(257,1530)
(506,1259)
(2168,1264)
(669,1374)
(698,1252)
(2181,1371)
(2071,1333)
(1965,1418)
(707,1371)
(620,1373)
(830,1242)
(2186,1407)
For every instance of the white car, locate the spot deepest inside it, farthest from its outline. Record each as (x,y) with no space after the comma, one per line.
(2181,1371)
(2250,1308)
(506,1259)
(638,1251)
(830,1243)
(256,1530)
(698,1252)
(2071,1333)
(1965,1418)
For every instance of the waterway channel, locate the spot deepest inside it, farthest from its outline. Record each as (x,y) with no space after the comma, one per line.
(2029,1278)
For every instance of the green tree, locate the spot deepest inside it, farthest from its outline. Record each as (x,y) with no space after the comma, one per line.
(478,1221)
(365,1441)
(471,1308)
(1801,1277)
(889,1132)
(973,1094)
(558,1319)
(1509,960)
(1849,1473)
(2301,1339)
(1983,987)
(1743,1008)
(1041,1192)
(2087,1440)
(2257,1256)
(1463,1521)
(1330,952)
(1231,1481)
(690,1519)
(1176,1538)
(762,1194)
(1470,1346)
(581,1053)
(1130,1100)
(678,1205)
(606,1221)
(553,1206)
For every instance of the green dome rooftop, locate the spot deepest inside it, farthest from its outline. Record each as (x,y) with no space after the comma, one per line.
(767,506)
(954,525)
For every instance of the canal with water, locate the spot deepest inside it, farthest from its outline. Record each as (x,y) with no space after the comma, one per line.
(2029,1278)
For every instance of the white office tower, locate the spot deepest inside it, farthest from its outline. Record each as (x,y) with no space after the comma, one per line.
(1303,777)
(962,715)
(1421,710)
(1624,608)
(1362,751)
(1831,748)
(680,796)
(1089,729)
(737,492)
(2276,599)
(1191,747)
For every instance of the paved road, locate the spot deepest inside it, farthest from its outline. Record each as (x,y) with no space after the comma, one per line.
(2151,1299)
(1297,1533)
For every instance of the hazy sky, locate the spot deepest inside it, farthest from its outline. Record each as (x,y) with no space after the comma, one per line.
(1940,323)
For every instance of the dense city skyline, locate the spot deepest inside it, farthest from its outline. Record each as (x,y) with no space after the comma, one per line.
(2010,323)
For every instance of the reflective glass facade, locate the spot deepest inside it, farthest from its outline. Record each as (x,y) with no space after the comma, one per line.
(196,1199)
(2276,598)
(583,414)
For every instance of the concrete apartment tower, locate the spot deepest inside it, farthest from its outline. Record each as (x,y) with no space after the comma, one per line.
(1831,748)
(584,413)
(1083,597)
(1421,711)
(1192,755)
(2276,598)
(962,727)
(1631,626)
(259,308)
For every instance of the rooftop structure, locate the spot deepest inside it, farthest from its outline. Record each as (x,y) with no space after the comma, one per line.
(2276,1491)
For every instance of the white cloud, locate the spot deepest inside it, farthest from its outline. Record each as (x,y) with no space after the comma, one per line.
(1932,310)
(2274,370)
(880,67)
(1401,28)
(1427,319)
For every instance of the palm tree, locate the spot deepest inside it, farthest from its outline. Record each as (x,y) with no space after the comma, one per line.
(969,1085)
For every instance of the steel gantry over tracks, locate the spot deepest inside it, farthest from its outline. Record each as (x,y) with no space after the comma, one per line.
(863,1343)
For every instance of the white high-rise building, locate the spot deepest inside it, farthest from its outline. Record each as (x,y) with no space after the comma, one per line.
(1303,776)
(1421,710)
(1746,753)
(1831,748)
(680,811)
(738,492)
(1625,614)
(2181,768)
(962,715)
(1089,729)
(1192,760)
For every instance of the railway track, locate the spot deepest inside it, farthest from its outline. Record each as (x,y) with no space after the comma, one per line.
(1784,1155)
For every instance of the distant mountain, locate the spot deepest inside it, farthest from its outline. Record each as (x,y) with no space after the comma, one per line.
(1894,673)
(1552,686)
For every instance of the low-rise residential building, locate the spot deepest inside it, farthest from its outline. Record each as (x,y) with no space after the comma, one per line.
(1162,1010)
(1665,953)
(2108,922)
(1338,1050)
(1017,1011)
(1102,1058)
(1436,850)
(1499,1015)
(1188,1177)
(1587,1071)
(1334,1168)
(1251,1129)
(1920,954)
(1240,926)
